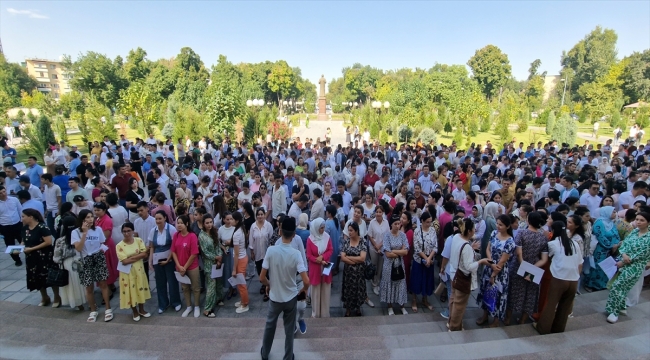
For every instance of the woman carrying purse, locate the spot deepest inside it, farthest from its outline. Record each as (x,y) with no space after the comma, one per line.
(463,266)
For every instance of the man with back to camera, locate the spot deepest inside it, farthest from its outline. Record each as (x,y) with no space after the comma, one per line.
(283,262)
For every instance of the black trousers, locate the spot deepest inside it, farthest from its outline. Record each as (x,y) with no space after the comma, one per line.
(12,235)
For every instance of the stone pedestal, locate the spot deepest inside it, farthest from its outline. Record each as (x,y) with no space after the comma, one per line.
(322,109)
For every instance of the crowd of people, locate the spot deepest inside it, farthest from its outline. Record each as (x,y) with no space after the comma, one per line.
(406,221)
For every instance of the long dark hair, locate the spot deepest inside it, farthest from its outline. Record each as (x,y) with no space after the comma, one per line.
(559,231)
(213,232)
(83,214)
(219,206)
(580,229)
(505,220)
(68,223)
(331,209)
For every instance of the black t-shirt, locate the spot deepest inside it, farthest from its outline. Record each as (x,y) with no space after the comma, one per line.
(136,163)
(296,189)
(81,172)
(34,237)
(132,198)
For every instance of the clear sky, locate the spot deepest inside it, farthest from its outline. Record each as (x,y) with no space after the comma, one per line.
(321,37)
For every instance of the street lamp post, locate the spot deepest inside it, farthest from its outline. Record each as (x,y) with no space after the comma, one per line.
(256,104)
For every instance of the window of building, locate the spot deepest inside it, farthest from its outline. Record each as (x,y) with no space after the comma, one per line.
(39,65)
(54,76)
(56,86)
(52,66)
(56,95)
(40,73)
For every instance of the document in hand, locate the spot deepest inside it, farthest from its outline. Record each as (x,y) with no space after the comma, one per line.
(12,248)
(123,268)
(217,273)
(237,280)
(327,269)
(609,267)
(530,272)
(159,256)
(182,279)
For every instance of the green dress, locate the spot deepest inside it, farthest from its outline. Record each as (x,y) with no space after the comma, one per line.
(638,249)
(214,287)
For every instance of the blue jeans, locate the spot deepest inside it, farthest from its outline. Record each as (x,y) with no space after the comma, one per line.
(49,220)
(165,277)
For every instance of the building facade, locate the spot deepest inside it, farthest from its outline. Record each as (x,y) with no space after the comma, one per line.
(52,78)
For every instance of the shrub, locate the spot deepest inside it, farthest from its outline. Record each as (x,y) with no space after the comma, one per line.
(404,133)
(428,136)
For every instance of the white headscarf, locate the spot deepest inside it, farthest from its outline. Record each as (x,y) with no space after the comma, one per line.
(320,240)
(491,210)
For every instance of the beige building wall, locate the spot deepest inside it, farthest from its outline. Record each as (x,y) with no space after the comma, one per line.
(50,76)
(550,82)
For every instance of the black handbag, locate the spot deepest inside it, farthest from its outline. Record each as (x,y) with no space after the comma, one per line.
(57,276)
(397,272)
(462,282)
(370,270)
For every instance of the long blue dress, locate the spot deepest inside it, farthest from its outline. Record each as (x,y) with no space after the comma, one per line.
(497,249)
(335,236)
(607,236)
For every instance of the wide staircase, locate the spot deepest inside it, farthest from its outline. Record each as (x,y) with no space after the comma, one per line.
(31,332)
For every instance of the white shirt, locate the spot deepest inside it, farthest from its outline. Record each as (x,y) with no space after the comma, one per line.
(162,236)
(144,227)
(294,212)
(279,201)
(283,262)
(94,240)
(377,231)
(51,193)
(459,194)
(628,199)
(564,267)
(467,259)
(592,202)
(10,211)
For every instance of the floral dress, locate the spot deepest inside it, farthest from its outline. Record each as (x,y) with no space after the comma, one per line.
(37,262)
(73,294)
(607,238)
(353,293)
(393,291)
(497,249)
(134,286)
(214,287)
(638,249)
(232,205)
(523,295)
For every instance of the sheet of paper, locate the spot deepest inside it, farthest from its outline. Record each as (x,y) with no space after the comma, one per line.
(609,267)
(103,248)
(11,248)
(123,268)
(160,256)
(530,272)
(237,280)
(217,273)
(327,270)
(20,167)
(443,277)
(182,279)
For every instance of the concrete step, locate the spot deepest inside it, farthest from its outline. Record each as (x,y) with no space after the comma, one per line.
(12,349)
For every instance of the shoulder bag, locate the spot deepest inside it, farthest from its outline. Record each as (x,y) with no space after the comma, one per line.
(57,276)
(397,270)
(462,282)
(370,269)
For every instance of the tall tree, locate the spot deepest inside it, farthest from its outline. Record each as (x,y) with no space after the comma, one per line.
(636,76)
(137,65)
(97,75)
(142,105)
(565,130)
(491,69)
(590,58)
(13,80)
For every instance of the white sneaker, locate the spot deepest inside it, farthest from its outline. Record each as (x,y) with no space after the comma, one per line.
(241,309)
(404,312)
(238,304)
(390,311)
(197,312)
(177,308)
(187,311)
(623,312)
(160,311)
(370,303)
(375,289)
(612,318)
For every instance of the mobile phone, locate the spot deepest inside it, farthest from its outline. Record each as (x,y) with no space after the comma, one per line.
(161,260)
(328,265)
(302,296)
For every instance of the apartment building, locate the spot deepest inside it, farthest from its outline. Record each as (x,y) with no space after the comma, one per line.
(50,76)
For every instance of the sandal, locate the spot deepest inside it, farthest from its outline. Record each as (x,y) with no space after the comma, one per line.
(92,317)
(266,298)
(135,318)
(209,314)
(428,306)
(145,315)
(482,321)
(262,290)
(108,315)
(414,308)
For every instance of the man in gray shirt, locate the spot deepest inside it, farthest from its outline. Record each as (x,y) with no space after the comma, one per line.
(283,262)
